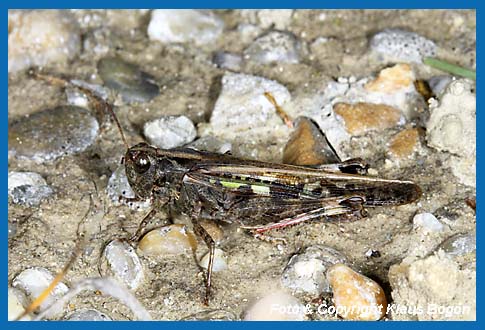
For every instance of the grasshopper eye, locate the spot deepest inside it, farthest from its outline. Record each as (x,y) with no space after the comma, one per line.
(142,163)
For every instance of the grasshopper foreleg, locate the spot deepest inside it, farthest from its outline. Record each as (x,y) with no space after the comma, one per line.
(141,227)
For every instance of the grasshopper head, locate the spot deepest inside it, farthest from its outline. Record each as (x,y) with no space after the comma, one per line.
(141,169)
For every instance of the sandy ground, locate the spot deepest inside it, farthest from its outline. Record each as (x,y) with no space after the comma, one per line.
(46,235)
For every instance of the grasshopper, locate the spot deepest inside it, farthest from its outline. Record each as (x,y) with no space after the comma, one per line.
(257,196)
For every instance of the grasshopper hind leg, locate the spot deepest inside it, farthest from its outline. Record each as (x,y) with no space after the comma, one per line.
(211,244)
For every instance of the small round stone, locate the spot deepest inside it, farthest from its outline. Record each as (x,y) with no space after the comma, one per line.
(403,46)
(355,296)
(41,37)
(275,46)
(87,315)
(16,303)
(118,186)
(121,261)
(242,112)
(175,25)
(428,223)
(49,134)
(168,240)
(279,18)
(305,272)
(12,229)
(212,144)
(459,244)
(278,306)
(170,131)
(33,281)
(226,60)
(127,79)
(220,263)
(27,188)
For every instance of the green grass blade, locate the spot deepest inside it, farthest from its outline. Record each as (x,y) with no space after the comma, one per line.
(451,68)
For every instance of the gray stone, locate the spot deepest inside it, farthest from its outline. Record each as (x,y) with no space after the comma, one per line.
(427,222)
(87,315)
(49,134)
(118,186)
(127,79)
(401,45)
(185,25)
(460,244)
(226,60)
(275,46)
(170,131)
(27,188)
(305,272)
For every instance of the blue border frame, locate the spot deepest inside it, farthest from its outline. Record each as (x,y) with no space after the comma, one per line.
(250,4)
(306,4)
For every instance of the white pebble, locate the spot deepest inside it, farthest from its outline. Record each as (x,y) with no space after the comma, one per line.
(275,46)
(427,222)
(41,37)
(121,261)
(220,263)
(27,188)
(305,272)
(277,306)
(401,45)
(242,111)
(33,281)
(86,314)
(16,303)
(17,179)
(170,131)
(248,32)
(279,18)
(118,186)
(185,25)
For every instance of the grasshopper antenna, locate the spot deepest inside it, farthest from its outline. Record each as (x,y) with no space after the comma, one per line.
(113,115)
(100,105)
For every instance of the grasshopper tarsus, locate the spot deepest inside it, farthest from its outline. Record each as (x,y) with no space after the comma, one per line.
(268,238)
